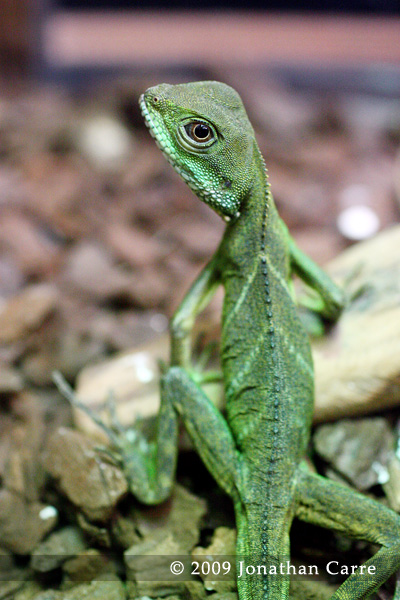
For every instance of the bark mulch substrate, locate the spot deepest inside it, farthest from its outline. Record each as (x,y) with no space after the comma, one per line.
(98,241)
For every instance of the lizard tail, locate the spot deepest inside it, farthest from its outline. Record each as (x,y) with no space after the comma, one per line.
(262,562)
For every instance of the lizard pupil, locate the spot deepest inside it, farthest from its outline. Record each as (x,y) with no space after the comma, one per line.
(199,132)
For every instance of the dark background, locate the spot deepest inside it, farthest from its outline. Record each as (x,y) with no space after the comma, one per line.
(360,6)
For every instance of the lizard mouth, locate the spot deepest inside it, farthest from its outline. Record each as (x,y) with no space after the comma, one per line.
(156,131)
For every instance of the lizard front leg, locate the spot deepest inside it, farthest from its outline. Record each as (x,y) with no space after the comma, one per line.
(334,506)
(150,467)
(206,426)
(193,303)
(331,297)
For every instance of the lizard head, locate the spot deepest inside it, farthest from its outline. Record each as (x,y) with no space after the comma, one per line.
(204,132)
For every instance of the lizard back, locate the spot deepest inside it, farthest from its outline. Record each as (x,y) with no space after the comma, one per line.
(266,354)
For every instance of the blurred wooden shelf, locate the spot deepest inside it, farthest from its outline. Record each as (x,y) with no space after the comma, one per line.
(87,39)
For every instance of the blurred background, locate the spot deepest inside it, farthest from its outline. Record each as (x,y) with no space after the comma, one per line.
(98,236)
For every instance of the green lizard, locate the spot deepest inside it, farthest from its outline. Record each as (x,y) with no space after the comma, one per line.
(255,453)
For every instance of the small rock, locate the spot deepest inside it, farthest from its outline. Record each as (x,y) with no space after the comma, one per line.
(88,565)
(93,485)
(62,193)
(222,547)
(357,365)
(10,588)
(30,591)
(133,246)
(302,201)
(49,595)
(98,534)
(103,140)
(274,108)
(224,596)
(12,578)
(25,313)
(124,530)
(11,381)
(358,449)
(168,530)
(150,287)
(23,525)
(11,278)
(6,423)
(23,473)
(200,238)
(120,331)
(59,347)
(56,549)
(6,561)
(195,591)
(148,565)
(90,269)
(132,378)
(34,252)
(182,270)
(110,589)
(392,486)
(181,516)
(141,167)
(358,221)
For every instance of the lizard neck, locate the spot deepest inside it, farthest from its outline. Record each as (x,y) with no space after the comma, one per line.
(245,238)
(254,209)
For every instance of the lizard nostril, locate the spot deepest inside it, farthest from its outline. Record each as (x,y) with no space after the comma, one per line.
(155,99)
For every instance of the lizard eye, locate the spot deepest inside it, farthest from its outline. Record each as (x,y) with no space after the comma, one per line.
(196,136)
(199,132)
